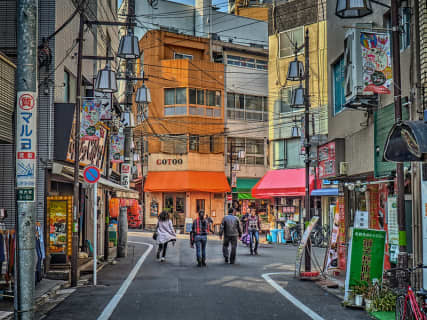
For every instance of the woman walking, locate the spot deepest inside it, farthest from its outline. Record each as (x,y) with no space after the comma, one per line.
(165,234)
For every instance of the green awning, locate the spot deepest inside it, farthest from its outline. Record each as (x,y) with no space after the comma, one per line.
(243,196)
(245,185)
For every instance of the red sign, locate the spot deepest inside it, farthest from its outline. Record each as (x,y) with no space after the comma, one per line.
(330,155)
(26,155)
(26,102)
(168,161)
(229,197)
(125,168)
(91,174)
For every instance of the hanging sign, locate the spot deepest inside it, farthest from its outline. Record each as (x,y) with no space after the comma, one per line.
(365,258)
(376,61)
(125,175)
(361,219)
(117,153)
(89,120)
(26,145)
(103,104)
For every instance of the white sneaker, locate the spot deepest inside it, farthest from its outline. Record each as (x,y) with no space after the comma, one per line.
(162,259)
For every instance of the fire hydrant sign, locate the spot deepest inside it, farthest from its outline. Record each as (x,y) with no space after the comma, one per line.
(26,145)
(365,258)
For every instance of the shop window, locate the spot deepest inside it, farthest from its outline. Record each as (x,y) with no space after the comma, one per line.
(288,39)
(194,143)
(200,204)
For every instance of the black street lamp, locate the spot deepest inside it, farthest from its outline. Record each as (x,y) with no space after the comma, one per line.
(349,9)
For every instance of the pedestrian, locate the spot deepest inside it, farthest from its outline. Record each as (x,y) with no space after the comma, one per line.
(210,222)
(199,236)
(230,227)
(244,221)
(253,227)
(165,234)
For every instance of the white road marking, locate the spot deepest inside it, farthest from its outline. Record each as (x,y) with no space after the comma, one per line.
(313,315)
(108,311)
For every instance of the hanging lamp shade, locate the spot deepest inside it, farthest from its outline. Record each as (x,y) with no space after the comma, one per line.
(295,132)
(128,47)
(143,95)
(353,8)
(295,71)
(106,80)
(297,98)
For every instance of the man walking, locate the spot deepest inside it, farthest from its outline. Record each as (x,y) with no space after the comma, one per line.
(230,227)
(199,236)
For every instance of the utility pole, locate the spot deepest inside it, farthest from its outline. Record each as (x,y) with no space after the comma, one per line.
(307,145)
(26,157)
(403,255)
(76,194)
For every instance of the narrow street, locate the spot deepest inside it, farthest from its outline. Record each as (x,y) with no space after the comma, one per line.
(178,289)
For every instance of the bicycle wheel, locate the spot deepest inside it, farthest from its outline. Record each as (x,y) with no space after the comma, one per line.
(400,308)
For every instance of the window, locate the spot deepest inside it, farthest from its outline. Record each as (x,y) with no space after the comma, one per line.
(293,152)
(200,204)
(175,111)
(176,96)
(182,56)
(210,97)
(253,150)
(196,99)
(194,143)
(175,144)
(288,40)
(181,96)
(279,156)
(405,24)
(247,62)
(212,144)
(169,96)
(246,107)
(338,82)
(66,86)
(196,96)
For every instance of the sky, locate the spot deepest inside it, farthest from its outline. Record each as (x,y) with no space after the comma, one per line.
(191,2)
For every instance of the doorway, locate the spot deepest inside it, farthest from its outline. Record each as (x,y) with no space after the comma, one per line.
(174,203)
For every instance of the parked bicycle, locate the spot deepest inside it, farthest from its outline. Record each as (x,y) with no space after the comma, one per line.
(320,236)
(407,307)
(294,230)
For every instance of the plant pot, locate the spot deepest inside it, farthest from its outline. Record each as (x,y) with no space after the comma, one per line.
(358,300)
(368,304)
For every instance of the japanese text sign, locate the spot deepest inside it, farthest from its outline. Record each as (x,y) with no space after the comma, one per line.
(26,140)
(366,257)
(89,120)
(376,60)
(330,155)
(117,152)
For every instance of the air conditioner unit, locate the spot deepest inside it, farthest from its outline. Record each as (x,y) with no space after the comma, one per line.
(343,168)
(365,63)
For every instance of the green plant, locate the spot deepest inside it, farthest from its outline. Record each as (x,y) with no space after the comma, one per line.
(359,289)
(385,300)
(372,291)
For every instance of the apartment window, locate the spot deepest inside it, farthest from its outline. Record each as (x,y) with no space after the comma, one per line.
(213,98)
(196,96)
(66,86)
(175,100)
(194,143)
(287,41)
(405,23)
(211,144)
(200,204)
(247,62)
(182,56)
(338,82)
(175,96)
(174,144)
(293,152)
(247,107)
(279,156)
(253,150)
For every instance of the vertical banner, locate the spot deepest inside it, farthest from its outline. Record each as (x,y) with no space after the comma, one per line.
(342,239)
(26,145)
(103,104)
(376,61)
(365,258)
(89,120)
(59,213)
(117,147)
(332,252)
(373,207)
(393,229)
(125,175)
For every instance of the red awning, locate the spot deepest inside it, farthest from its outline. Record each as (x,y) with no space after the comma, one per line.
(282,183)
(186,181)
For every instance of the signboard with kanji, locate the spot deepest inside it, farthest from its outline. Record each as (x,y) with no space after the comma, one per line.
(365,257)
(330,155)
(26,142)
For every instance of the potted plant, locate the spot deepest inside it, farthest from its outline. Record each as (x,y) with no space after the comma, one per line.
(358,291)
(370,294)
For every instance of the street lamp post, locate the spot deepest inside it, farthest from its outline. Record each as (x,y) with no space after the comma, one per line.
(301,98)
(358,9)
(105,82)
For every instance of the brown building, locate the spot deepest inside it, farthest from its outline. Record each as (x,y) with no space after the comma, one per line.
(182,128)
(254,9)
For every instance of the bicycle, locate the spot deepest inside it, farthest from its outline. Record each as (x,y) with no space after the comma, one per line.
(295,235)
(407,307)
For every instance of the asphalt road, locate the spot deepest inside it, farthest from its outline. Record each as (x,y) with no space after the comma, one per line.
(178,289)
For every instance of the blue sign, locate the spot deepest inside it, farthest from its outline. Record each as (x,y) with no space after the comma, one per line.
(91,174)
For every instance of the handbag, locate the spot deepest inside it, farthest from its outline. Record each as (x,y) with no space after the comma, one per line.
(155,233)
(246,239)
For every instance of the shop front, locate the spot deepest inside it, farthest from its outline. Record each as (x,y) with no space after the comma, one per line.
(326,201)
(183,194)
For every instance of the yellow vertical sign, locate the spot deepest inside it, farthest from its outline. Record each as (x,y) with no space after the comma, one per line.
(60,223)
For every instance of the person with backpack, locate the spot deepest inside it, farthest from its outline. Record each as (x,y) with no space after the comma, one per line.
(199,236)
(165,234)
(230,227)
(253,227)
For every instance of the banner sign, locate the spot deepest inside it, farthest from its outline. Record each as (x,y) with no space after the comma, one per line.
(376,61)
(125,175)
(26,144)
(341,233)
(303,243)
(332,252)
(117,145)
(103,104)
(365,258)
(89,119)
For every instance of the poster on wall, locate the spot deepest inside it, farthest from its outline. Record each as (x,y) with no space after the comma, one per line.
(361,219)
(331,260)
(154,208)
(60,222)
(365,258)
(376,61)
(103,104)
